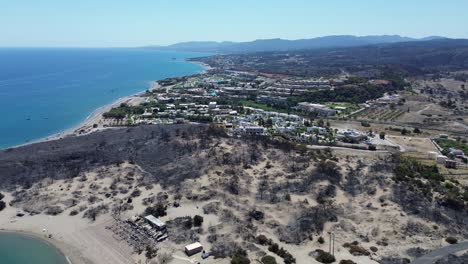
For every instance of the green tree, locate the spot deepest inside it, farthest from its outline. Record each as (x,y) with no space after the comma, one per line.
(268,260)
(239,259)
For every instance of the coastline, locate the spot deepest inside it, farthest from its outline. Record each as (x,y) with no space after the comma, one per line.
(205,66)
(61,247)
(96,115)
(79,240)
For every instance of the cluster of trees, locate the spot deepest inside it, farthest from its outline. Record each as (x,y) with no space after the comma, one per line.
(275,248)
(427,179)
(123,110)
(353,94)
(448,143)
(404,131)
(157,210)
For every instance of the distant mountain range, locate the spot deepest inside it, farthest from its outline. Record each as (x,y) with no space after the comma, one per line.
(284,45)
(402,58)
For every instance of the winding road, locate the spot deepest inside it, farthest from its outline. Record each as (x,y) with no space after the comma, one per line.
(440,253)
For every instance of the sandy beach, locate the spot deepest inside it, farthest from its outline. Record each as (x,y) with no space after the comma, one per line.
(79,239)
(205,66)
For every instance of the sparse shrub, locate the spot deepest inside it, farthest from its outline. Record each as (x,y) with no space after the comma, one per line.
(365,124)
(164,258)
(73,212)
(123,190)
(324,257)
(92,199)
(451,240)
(262,240)
(2,205)
(356,250)
(94,186)
(136,193)
(239,259)
(281,252)
(257,215)
(188,223)
(53,210)
(197,220)
(93,212)
(151,252)
(374,249)
(148,200)
(274,248)
(157,211)
(347,261)
(326,193)
(321,240)
(268,260)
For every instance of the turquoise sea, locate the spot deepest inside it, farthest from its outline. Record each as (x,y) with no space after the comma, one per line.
(21,249)
(45,91)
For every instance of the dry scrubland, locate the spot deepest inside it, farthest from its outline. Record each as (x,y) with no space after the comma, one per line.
(256,197)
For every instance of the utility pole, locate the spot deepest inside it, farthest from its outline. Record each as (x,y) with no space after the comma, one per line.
(331,246)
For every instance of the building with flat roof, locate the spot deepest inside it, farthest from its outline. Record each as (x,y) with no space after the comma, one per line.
(155,222)
(193,249)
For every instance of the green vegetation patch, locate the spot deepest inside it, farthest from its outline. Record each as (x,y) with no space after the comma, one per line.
(263,107)
(428,180)
(448,143)
(123,110)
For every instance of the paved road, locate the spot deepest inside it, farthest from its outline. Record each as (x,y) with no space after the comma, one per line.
(440,253)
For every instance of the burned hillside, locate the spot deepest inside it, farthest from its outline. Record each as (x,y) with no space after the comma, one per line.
(257,196)
(169,153)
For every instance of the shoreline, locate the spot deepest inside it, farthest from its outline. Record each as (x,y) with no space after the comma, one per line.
(95,115)
(61,247)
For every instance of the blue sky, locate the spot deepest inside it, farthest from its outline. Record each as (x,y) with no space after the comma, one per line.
(126,23)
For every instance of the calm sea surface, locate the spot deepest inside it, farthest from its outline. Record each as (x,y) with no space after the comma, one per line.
(21,249)
(45,91)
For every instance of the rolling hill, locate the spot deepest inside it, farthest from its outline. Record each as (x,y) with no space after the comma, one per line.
(283,45)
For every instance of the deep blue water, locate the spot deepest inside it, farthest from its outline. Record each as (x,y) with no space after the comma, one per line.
(45,91)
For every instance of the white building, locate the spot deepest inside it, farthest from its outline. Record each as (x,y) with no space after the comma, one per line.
(314,129)
(193,249)
(212,105)
(155,222)
(246,128)
(321,110)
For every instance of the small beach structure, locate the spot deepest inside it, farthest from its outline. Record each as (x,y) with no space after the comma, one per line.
(155,222)
(193,249)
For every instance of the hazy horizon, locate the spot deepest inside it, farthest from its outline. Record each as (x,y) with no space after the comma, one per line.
(53,23)
(219,41)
